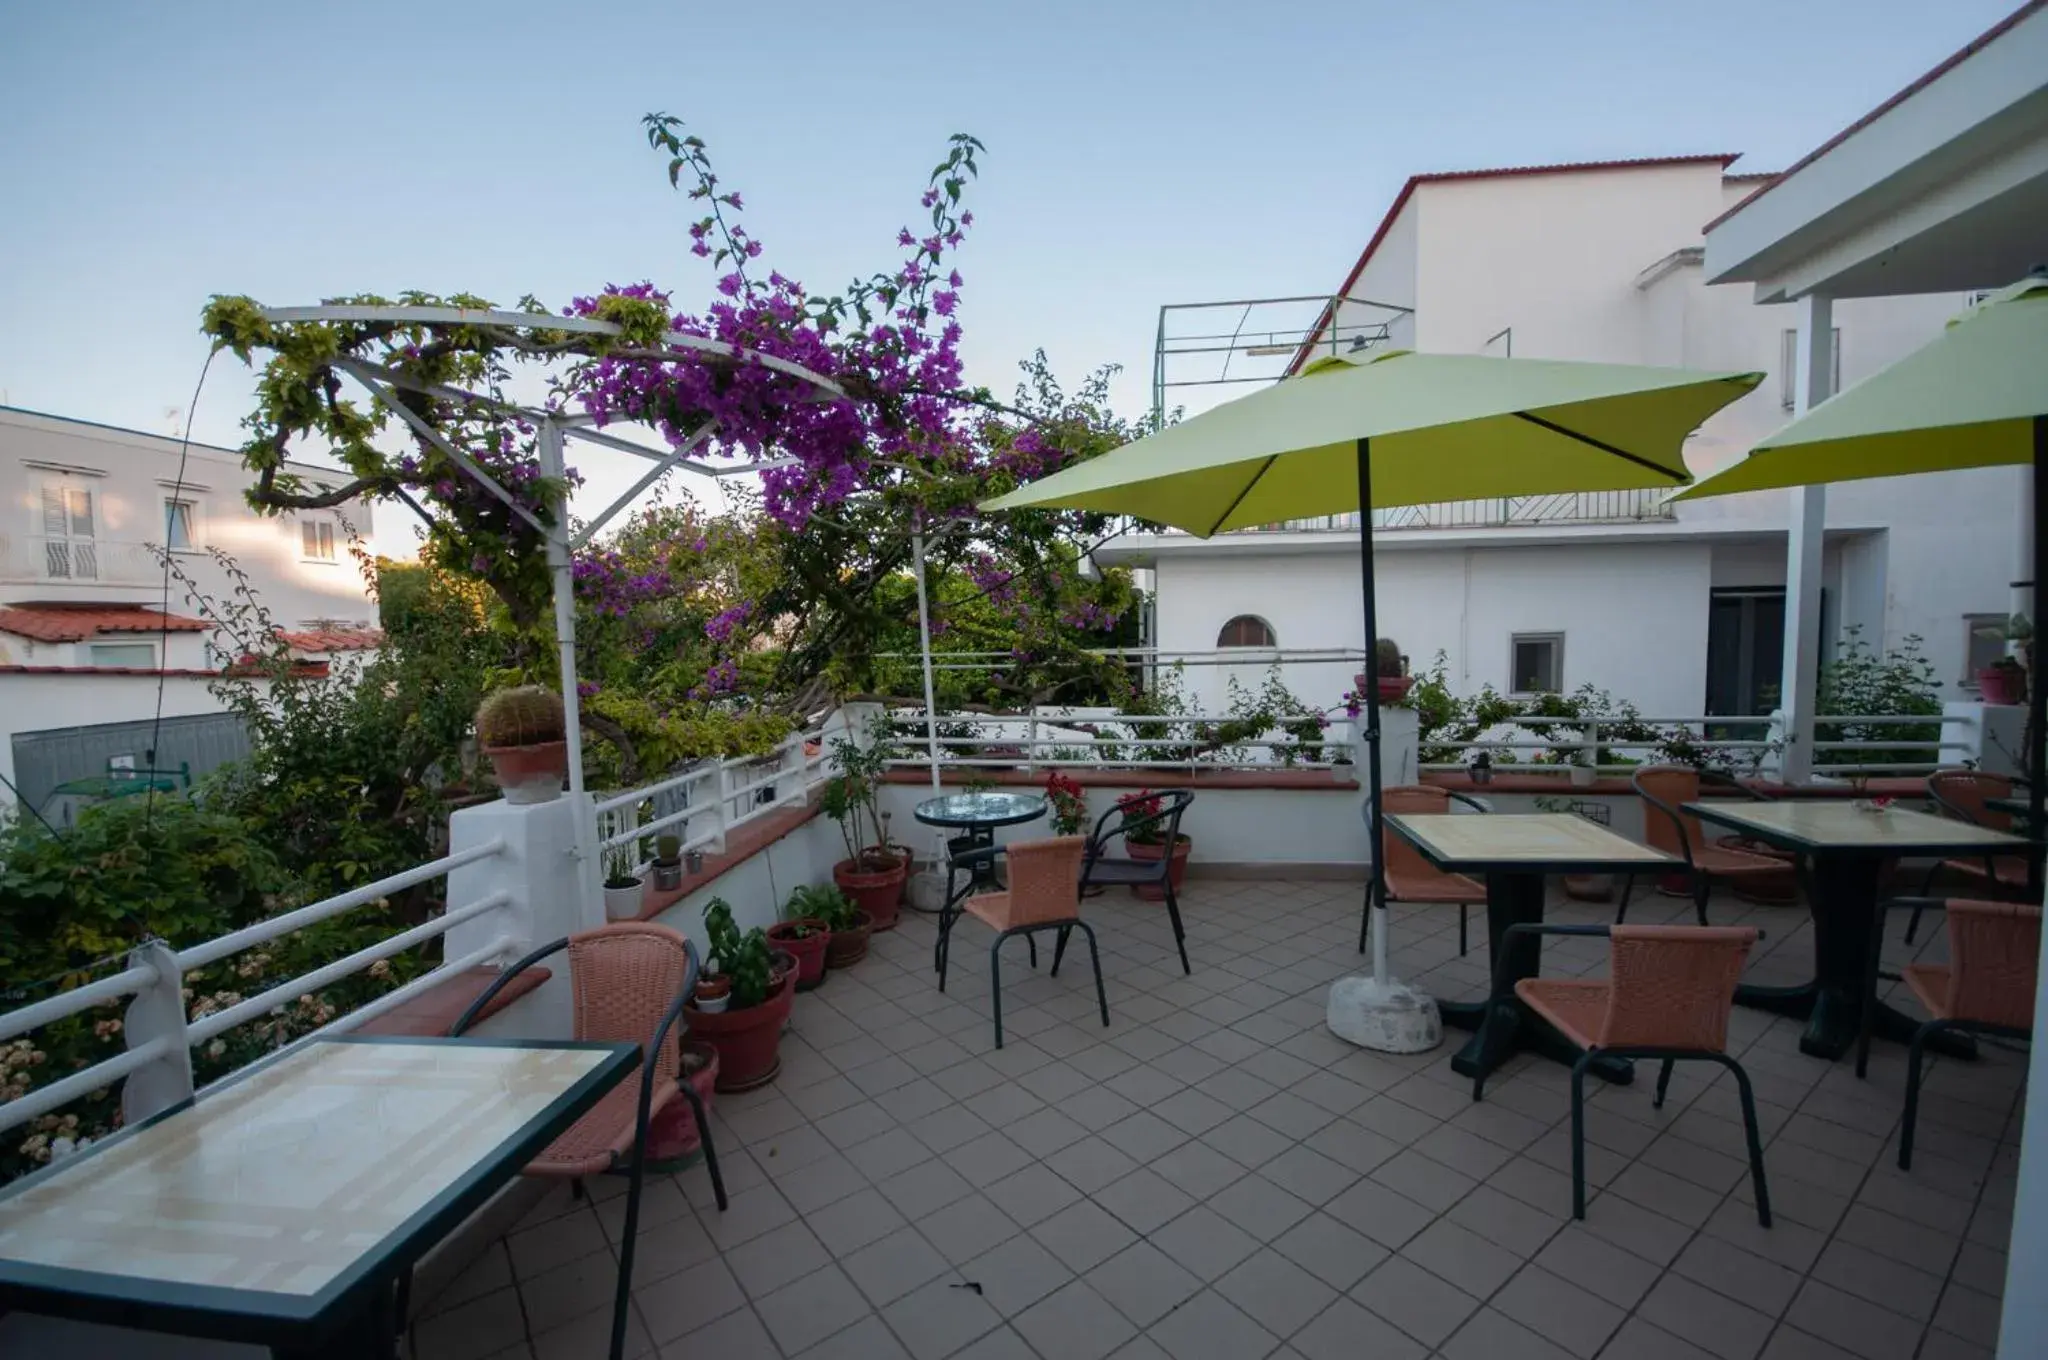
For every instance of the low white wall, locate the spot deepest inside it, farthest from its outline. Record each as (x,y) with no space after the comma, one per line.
(757,887)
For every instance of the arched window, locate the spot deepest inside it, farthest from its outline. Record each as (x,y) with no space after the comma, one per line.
(1246,630)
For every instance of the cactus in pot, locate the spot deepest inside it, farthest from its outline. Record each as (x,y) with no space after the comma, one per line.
(521,730)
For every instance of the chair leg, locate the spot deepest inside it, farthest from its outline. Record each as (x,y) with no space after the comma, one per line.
(1180,936)
(1868,1017)
(1579,1134)
(1059,948)
(1462,943)
(995,985)
(945,950)
(623,1302)
(1702,888)
(1754,1137)
(1663,1083)
(1095,960)
(704,1141)
(1031,943)
(1916,1055)
(1628,885)
(1926,890)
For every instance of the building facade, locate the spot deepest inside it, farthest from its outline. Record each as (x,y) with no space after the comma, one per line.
(89,631)
(1678,609)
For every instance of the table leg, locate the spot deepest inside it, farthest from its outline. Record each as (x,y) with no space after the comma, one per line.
(1502,1028)
(368,1332)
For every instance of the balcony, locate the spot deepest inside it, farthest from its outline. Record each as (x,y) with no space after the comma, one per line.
(1642,506)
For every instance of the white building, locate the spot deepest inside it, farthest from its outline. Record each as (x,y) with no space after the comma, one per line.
(85,635)
(1679,609)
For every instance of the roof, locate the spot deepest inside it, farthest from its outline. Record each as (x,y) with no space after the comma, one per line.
(77,622)
(333,639)
(1723,159)
(1955,59)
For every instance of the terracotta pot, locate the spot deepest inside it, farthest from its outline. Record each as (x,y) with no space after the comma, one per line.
(1175,872)
(807,950)
(1589,887)
(673,1141)
(848,947)
(1675,885)
(747,1040)
(1766,890)
(714,991)
(2002,685)
(1392,688)
(878,892)
(530,774)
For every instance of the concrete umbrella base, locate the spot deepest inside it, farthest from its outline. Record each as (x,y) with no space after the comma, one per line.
(1388,1017)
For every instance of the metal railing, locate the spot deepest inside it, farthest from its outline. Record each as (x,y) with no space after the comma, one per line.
(1073,740)
(1588,739)
(158,1032)
(1645,505)
(704,804)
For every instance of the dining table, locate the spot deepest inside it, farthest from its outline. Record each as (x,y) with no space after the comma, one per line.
(1847,844)
(286,1206)
(1516,853)
(978,814)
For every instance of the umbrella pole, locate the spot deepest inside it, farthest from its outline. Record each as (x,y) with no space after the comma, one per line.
(2037,697)
(1379,1012)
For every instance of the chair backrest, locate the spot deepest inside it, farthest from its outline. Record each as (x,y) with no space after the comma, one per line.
(1994,962)
(623,978)
(1119,821)
(1673,986)
(1045,879)
(1402,859)
(1962,794)
(1665,790)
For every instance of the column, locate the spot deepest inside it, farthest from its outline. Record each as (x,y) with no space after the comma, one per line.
(1813,382)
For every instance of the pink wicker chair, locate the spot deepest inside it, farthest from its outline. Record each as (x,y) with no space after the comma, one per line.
(1667,995)
(1987,987)
(1965,795)
(1408,875)
(628,984)
(1667,826)
(1044,894)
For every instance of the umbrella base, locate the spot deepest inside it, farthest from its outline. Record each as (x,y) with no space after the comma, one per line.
(1387,1017)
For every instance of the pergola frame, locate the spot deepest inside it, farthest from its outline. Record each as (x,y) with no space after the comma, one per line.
(554,428)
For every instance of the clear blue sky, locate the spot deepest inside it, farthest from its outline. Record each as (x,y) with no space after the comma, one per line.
(1138,153)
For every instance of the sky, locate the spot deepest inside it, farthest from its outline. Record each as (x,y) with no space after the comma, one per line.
(1140,152)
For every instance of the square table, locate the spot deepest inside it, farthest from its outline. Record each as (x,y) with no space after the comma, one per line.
(283,1207)
(1515,852)
(1848,846)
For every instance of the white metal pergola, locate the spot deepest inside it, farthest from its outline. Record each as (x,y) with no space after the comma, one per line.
(555,428)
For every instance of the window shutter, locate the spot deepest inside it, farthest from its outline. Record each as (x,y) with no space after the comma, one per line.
(54,522)
(81,513)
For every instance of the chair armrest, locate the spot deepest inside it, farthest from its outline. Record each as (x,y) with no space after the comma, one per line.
(1914,904)
(1476,804)
(476,1007)
(987,854)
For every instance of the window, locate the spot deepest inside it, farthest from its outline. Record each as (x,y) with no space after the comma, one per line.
(69,552)
(1246,630)
(178,525)
(1538,663)
(1788,366)
(140,656)
(317,536)
(1979,651)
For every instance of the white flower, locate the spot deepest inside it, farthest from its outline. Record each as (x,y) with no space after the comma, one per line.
(62,1147)
(216,1048)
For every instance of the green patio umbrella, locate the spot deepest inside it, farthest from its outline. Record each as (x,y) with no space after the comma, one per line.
(1399,428)
(1974,396)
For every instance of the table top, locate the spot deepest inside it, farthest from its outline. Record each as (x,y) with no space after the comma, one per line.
(1840,826)
(273,1199)
(1544,842)
(980,809)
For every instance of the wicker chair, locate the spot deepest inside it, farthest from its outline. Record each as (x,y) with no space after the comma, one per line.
(1044,894)
(1965,795)
(1667,826)
(1987,987)
(628,984)
(1408,875)
(1667,995)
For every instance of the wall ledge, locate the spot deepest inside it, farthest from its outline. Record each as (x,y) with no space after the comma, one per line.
(433,1011)
(742,843)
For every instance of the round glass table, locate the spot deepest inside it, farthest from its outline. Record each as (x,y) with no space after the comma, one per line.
(978,815)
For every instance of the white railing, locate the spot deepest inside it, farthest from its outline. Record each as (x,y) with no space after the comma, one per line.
(1583,741)
(157,1064)
(1065,740)
(1570,507)
(701,806)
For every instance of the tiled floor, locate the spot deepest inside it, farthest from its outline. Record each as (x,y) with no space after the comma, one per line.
(1215,1175)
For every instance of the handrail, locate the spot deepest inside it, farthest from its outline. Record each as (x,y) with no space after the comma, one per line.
(125,983)
(787,760)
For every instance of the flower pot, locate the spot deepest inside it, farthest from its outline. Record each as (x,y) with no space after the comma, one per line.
(673,1140)
(623,904)
(1675,885)
(807,950)
(1765,890)
(693,861)
(668,877)
(713,994)
(530,774)
(878,892)
(848,947)
(2002,685)
(747,1040)
(1583,776)
(1392,689)
(1175,871)
(1589,887)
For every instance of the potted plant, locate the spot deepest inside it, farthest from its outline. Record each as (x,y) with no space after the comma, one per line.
(748,1032)
(1149,843)
(804,938)
(668,863)
(1481,768)
(1069,806)
(1394,680)
(874,871)
(520,729)
(849,926)
(2004,681)
(623,888)
(713,994)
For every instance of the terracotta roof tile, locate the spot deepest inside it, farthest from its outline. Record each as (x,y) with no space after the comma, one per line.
(77,622)
(334,639)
